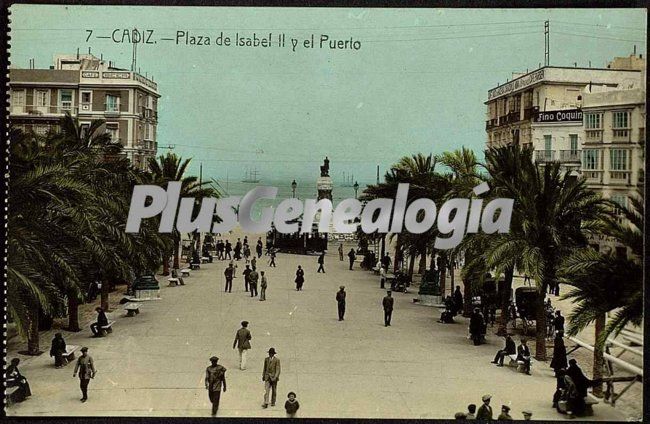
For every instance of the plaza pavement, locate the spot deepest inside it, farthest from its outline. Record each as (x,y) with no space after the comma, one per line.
(153,364)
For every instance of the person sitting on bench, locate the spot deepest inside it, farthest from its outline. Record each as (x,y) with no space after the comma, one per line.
(102,321)
(447,317)
(523,354)
(58,350)
(13,378)
(175,275)
(509,349)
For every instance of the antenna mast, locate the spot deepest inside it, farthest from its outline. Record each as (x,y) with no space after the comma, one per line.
(547,47)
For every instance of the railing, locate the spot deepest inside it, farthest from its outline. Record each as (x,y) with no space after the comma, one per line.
(42,110)
(621,135)
(620,177)
(569,156)
(544,155)
(594,136)
(593,175)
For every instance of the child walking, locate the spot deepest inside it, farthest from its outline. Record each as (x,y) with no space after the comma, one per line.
(291,405)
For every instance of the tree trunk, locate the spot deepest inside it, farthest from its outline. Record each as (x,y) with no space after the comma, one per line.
(33,345)
(104,295)
(505,301)
(467,298)
(451,276)
(411,265)
(165,265)
(383,246)
(176,255)
(443,275)
(540,324)
(422,266)
(73,313)
(599,361)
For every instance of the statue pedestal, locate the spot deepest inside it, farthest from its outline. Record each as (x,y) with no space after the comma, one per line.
(324,186)
(430,300)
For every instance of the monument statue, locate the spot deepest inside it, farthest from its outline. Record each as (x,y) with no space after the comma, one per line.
(325,168)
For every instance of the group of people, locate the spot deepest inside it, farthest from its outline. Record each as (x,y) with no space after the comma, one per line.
(522,351)
(226,251)
(215,374)
(485,413)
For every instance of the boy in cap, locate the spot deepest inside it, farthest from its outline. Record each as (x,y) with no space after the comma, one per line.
(215,378)
(270,377)
(485,410)
(527,415)
(86,370)
(504,415)
(471,411)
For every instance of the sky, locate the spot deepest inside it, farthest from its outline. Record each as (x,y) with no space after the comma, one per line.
(417,83)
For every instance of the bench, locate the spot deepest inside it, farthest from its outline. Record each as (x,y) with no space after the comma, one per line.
(105,329)
(69,353)
(205,260)
(132,309)
(9,395)
(185,272)
(195,266)
(590,401)
(173,281)
(519,364)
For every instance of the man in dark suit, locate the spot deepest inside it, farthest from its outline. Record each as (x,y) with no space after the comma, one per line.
(270,377)
(388,303)
(352,257)
(523,354)
(485,411)
(321,262)
(242,343)
(558,321)
(340,300)
(229,273)
(102,321)
(509,349)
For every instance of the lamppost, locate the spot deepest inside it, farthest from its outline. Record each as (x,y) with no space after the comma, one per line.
(356,189)
(294,184)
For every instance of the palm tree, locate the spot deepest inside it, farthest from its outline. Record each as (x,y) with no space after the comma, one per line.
(602,283)
(171,167)
(552,214)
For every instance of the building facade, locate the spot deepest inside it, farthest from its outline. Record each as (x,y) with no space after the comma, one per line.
(89,89)
(542,109)
(591,121)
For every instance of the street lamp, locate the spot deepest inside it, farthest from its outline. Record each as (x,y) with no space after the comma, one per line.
(356,188)
(294,184)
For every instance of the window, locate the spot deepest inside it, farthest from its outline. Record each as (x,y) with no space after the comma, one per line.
(113,129)
(84,126)
(618,160)
(590,159)
(40,129)
(65,99)
(86,97)
(621,202)
(573,140)
(593,121)
(18,97)
(42,98)
(621,120)
(147,133)
(112,103)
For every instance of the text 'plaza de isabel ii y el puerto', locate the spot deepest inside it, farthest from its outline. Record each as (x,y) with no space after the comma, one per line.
(590,120)
(88,88)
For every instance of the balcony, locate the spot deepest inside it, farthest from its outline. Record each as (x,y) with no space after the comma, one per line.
(569,156)
(529,112)
(593,176)
(544,156)
(34,110)
(593,136)
(489,124)
(621,135)
(620,177)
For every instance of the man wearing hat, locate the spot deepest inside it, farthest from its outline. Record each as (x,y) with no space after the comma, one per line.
(242,342)
(215,378)
(485,411)
(527,414)
(270,377)
(504,415)
(388,303)
(86,370)
(340,299)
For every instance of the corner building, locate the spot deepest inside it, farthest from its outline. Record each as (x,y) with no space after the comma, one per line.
(89,89)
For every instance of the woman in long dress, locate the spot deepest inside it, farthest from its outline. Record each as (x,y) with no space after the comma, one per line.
(300,278)
(14,378)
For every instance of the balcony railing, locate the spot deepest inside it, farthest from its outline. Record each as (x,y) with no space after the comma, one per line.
(594,136)
(593,176)
(544,155)
(570,156)
(620,177)
(621,135)
(35,110)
